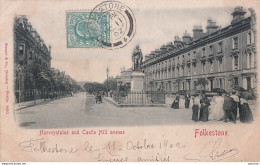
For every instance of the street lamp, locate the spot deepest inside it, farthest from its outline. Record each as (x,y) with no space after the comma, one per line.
(19,85)
(107,80)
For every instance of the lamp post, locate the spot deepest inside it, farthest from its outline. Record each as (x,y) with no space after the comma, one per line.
(107,80)
(19,85)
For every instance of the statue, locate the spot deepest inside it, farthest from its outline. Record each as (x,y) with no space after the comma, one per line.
(137,58)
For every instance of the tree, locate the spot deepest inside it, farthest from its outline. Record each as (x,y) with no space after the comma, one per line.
(202,82)
(111,84)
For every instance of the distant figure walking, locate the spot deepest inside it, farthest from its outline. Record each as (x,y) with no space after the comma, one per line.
(175,104)
(187,101)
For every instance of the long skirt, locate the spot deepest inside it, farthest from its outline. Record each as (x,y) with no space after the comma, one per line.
(187,103)
(175,104)
(245,113)
(234,110)
(195,112)
(204,114)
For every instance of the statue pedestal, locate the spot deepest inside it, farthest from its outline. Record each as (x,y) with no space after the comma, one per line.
(137,81)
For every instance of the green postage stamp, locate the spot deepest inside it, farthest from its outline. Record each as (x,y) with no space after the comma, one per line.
(87,29)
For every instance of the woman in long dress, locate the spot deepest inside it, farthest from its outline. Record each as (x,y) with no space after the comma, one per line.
(217,112)
(245,113)
(175,104)
(187,101)
(195,108)
(204,108)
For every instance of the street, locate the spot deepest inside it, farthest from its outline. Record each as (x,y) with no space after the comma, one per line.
(82,111)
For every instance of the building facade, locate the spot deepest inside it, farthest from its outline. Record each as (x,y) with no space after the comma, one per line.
(29,48)
(225,57)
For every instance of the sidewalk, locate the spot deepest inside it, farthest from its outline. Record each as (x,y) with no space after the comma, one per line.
(26,104)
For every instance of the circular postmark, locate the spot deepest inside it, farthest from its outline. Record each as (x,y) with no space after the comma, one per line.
(114,22)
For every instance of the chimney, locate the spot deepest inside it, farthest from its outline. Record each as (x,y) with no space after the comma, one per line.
(238,14)
(186,38)
(177,41)
(211,26)
(197,32)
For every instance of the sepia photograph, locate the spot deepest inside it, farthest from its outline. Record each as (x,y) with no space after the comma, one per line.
(129,81)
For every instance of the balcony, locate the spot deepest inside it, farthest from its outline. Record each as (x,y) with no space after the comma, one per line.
(235,51)
(251,47)
(194,61)
(203,59)
(210,57)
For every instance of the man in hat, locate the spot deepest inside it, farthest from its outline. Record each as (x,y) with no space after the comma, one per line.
(204,109)
(228,107)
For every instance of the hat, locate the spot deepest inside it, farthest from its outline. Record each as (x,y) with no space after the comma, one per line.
(221,91)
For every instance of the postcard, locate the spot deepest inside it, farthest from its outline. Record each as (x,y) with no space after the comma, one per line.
(129,81)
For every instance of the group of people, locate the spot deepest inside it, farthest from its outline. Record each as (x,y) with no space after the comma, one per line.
(224,107)
(98,96)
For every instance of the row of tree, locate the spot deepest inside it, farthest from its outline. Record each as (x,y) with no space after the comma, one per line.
(35,76)
(107,85)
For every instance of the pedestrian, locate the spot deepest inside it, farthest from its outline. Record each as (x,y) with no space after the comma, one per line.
(187,101)
(175,104)
(217,111)
(100,97)
(204,107)
(228,105)
(245,113)
(236,99)
(195,107)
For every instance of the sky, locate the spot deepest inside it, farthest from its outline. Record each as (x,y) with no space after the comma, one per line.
(154,26)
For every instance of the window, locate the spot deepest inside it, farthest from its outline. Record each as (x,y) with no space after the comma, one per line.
(211,49)
(235,42)
(173,73)
(203,52)
(254,36)
(188,68)
(31,56)
(236,81)
(249,60)
(182,57)
(248,79)
(249,38)
(183,71)
(188,85)
(211,67)
(188,56)
(220,65)
(235,62)
(194,83)
(203,67)
(21,49)
(220,47)
(194,55)
(194,69)
(178,72)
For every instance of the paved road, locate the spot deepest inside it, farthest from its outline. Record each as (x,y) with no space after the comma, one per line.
(82,111)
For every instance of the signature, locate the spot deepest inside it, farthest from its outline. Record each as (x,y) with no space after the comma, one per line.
(211,150)
(39,145)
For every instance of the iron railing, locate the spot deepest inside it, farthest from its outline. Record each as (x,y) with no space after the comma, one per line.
(140,97)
